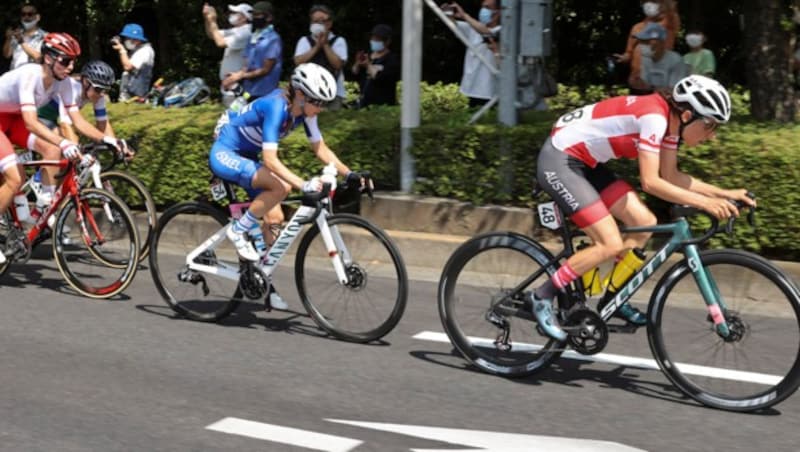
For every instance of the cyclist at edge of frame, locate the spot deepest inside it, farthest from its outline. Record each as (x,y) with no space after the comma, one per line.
(96,78)
(648,128)
(22,91)
(254,131)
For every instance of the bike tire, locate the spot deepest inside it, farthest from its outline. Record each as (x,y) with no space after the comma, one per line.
(136,196)
(6,225)
(109,262)
(378,288)
(763,308)
(180,229)
(480,270)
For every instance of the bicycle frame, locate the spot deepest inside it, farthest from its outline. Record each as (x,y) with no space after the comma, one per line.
(305,214)
(681,240)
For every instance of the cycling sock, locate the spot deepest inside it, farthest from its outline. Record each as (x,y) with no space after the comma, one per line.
(560,279)
(244,223)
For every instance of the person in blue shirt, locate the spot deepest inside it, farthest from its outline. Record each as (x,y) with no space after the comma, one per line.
(264,55)
(246,151)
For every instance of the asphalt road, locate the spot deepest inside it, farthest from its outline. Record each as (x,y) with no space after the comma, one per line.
(125,374)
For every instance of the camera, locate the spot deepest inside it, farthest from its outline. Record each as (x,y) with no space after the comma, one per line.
(115,40)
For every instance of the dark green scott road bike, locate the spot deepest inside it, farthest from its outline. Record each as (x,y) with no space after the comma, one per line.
(733,346)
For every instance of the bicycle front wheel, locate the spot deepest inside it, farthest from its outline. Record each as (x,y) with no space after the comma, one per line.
(95,243)
(372,301)
(480,301)
(758,364)
(194,294)
(143,208)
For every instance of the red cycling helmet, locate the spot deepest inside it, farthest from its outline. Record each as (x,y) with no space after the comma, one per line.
(61,44)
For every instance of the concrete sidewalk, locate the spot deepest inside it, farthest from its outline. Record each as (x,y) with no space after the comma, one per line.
(427,230)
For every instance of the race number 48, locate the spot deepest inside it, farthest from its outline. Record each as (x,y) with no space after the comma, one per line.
(549,215)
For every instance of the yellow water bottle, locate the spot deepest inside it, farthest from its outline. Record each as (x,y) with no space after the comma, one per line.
(591,279)
(624,269)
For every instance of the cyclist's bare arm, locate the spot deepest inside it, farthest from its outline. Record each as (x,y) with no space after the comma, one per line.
(34,126)
(670,171)
(83,126)
(68,132)
(324,153)
(274,164)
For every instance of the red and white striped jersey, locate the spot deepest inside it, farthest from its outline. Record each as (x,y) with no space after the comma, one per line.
(614,128)
(22,89)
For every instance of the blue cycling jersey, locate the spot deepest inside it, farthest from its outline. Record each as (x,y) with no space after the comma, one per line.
(259,125)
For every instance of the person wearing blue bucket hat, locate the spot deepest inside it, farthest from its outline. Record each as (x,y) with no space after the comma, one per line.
(137,58)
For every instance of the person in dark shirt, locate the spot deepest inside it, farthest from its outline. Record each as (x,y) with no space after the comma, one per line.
(379,71)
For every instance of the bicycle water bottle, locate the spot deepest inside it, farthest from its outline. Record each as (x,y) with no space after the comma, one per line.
(239,102)
(258,240)
(591,279)
(329,176)
(21,205)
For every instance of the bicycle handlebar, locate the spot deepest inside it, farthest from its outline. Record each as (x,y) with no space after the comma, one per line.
(315,200)
(684,211)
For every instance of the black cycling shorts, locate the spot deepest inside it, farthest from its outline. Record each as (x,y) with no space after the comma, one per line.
(583,193)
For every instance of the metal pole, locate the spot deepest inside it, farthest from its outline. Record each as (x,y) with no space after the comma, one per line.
(509,49)
(412,77)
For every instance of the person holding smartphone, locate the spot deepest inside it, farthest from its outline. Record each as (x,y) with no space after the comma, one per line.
(23,44)
(379,70)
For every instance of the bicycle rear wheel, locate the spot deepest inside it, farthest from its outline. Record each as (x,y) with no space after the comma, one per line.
(755,368)
(95,243)
(143,208)
(371,304)
(196,295)
(477,285)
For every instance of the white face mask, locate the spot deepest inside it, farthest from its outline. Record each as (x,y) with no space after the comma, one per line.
(694,40)
(650,9)
(130,45)
(647,50)
(316,29)
(28,24)
(234,19)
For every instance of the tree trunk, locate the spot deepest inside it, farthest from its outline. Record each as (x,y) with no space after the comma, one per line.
(768,68)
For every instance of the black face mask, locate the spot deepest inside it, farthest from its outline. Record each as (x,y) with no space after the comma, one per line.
(259,22)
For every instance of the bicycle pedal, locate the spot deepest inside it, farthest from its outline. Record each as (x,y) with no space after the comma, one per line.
(624,328)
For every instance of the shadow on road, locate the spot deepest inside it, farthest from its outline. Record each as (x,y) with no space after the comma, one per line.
(575,373)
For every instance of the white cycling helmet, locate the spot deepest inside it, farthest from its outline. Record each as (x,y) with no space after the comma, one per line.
(706,96)
(315,81)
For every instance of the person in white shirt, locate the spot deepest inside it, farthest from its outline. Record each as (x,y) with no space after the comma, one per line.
(233,40)
(24,45)
(477,81)
(138,66)
(324,48)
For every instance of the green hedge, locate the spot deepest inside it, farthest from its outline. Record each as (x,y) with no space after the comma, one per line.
(468,163)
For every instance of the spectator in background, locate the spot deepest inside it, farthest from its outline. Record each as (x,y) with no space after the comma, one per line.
(233,40)
(477,82)
(663,12)
(23,44)
(661,68)
(700,60)
(324,48)
(378,71)
(138,65)
(263,56)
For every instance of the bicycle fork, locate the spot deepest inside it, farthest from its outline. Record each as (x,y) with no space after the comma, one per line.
(708,288)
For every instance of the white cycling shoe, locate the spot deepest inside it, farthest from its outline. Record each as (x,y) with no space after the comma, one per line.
(275,301)
(242,244)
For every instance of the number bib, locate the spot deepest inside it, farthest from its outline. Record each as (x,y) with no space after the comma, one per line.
(575,116)
(218,191)
(549,215)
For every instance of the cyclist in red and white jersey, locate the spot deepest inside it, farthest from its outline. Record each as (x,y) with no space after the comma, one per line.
(650,129)
(22,91)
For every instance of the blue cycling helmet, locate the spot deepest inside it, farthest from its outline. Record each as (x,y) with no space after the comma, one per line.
(133,31)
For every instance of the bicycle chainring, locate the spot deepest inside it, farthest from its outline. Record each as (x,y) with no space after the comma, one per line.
(588,333)
(253,283)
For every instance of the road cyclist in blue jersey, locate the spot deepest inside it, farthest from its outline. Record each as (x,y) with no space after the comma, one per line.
(246,153)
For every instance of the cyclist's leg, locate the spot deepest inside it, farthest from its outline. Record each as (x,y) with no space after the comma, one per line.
(11,175)
(565,179)
(48,151)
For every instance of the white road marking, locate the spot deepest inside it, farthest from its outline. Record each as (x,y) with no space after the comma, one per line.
(285,435)
(629,361)
(492,441)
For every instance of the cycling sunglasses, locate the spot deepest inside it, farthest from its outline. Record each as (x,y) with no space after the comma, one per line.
(317,102)
(64,60)
(99,89)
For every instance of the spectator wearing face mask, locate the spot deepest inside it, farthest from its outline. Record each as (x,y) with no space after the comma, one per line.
(234,40)
(137,58)
(663,12)
(23,44)
(325,48)
(661,68)
(378,71)
(263,56)
(477,81)
(700,60)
